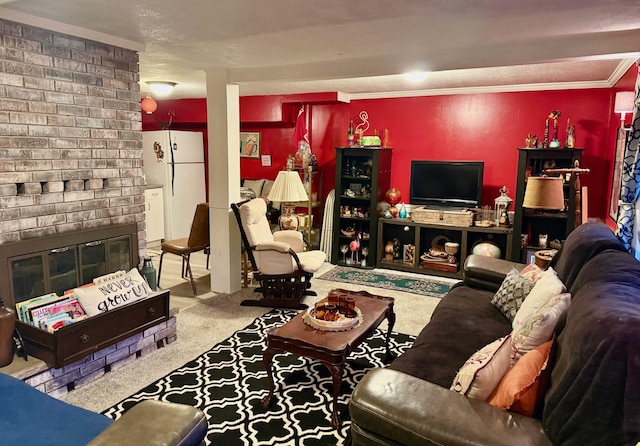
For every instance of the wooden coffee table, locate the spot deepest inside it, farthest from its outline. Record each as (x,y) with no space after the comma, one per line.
(329,347)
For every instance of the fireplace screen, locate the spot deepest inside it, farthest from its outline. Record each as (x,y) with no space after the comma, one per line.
(53,267)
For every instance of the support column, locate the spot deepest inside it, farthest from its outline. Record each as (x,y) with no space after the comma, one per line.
(223,125)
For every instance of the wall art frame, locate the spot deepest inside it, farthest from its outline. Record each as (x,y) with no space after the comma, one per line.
(250,145)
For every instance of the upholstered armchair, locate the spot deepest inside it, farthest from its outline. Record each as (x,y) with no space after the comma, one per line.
(280,264)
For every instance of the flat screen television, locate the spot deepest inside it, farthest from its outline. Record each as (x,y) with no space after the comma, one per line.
(446,184)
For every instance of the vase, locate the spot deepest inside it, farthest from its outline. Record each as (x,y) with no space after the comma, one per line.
(7,324)
(393,196)
(388,250)
(149,273)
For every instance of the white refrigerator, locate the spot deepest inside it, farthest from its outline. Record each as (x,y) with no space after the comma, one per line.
(174,159)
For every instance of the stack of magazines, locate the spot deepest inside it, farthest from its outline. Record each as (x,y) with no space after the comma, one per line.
(51,312)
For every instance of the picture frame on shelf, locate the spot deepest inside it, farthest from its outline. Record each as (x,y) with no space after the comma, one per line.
(616,179)
(250,145)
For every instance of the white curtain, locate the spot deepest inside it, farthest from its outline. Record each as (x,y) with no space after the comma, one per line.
(326,237)
(628,221)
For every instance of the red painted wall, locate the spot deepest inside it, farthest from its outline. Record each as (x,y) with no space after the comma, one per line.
(487,127)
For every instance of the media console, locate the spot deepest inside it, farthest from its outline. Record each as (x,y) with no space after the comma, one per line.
(426,236)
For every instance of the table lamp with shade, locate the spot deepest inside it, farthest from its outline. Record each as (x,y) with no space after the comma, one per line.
(288,190)
(624,103)
(544,193)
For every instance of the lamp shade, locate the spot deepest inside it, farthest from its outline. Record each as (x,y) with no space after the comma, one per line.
(288,187)
(544,193)
(624,102)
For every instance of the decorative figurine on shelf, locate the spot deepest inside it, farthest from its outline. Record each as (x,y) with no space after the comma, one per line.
(555,142)
(502,204)
(570,140)
(396,249)
(409,254)
(385,138)
(363,126)
(354,246)
(351,133)
(388,250)
(531,141)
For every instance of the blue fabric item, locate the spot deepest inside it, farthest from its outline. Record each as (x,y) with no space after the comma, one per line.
(32,418)
(629,211)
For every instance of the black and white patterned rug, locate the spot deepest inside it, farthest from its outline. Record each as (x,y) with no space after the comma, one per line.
(228,382)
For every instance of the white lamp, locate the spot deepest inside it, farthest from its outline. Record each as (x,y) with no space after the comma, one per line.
(624,103)
(288,188)
(161,88)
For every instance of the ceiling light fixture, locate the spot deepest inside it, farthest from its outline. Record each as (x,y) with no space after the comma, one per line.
(161,88)
(416,76)
(148,105)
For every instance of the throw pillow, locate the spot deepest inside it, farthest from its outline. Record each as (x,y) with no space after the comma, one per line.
(532,272)
(482,372)
(522,388)
(544,289)
(511,294)
(538,327)
(112,294)
(254,185)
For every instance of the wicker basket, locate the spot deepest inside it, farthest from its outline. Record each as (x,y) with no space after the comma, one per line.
(441,217)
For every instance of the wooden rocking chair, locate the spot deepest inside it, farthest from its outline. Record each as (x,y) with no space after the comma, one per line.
(280,265)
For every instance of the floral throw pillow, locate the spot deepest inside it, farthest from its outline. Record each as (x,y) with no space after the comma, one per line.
(482,372)
(548,286)
(511,294)
(537,328)
(532,272)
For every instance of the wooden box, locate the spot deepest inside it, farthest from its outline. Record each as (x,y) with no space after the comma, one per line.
(75,341)
(442,217)
(440,266)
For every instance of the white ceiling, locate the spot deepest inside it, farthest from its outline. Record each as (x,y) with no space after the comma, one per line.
(358,47)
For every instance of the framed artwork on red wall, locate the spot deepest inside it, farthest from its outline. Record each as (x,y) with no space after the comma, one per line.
(616,181)
(250,145)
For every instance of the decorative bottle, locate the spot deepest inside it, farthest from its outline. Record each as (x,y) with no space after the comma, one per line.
(402,213)
(7,324)
(350,132)
(148,271)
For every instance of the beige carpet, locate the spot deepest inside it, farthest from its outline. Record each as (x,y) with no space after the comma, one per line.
(209,318)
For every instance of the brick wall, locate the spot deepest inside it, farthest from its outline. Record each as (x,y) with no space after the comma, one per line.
(70,134)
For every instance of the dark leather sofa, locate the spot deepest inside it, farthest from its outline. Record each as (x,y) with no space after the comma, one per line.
(593,397)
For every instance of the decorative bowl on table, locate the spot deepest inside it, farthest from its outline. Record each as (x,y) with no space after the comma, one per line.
(348,232)
(342,323)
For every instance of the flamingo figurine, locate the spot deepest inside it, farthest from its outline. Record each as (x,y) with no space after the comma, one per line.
(354,246)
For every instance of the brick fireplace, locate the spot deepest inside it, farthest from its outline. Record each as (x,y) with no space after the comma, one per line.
(70,135)
(71,160)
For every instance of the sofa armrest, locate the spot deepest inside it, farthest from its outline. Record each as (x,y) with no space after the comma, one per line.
(487,272)
(156,423)
(397,408)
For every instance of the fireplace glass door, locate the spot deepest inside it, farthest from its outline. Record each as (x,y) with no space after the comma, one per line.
(28,277)
(63,269)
